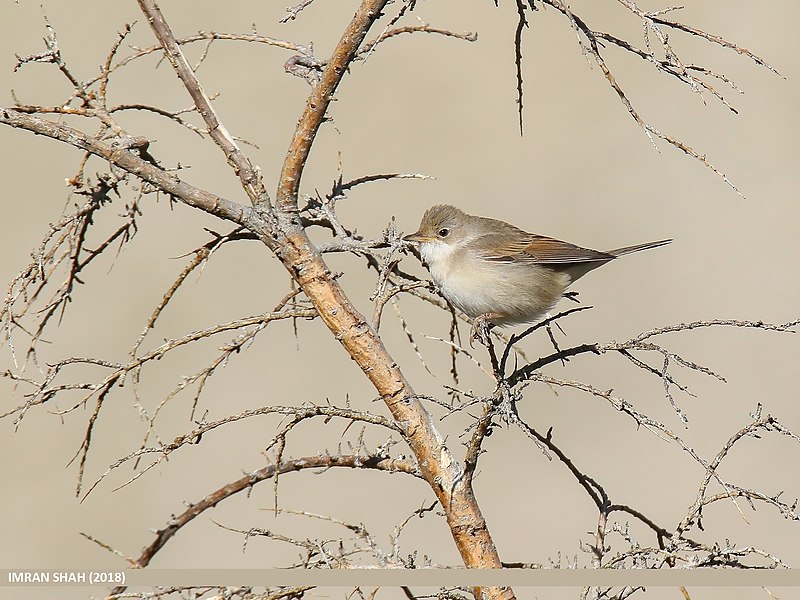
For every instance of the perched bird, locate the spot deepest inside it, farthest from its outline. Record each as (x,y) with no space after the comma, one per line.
(498,274)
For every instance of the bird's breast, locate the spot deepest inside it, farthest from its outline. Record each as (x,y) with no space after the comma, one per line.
(515,291)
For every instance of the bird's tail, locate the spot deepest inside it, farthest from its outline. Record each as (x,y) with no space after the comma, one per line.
(637,247)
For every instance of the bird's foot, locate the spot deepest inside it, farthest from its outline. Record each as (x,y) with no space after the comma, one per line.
(572,296)
(481,326)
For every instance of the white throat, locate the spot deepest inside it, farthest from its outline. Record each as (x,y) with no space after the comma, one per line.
(438,257)
(436,254)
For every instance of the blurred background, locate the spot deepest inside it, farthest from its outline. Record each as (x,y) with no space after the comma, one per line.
(583,171)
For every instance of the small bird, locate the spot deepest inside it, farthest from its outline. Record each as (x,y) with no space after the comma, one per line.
(498,274)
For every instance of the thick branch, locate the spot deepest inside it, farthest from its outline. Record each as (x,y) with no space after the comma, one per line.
(438,467)
(317,104)
(119,153)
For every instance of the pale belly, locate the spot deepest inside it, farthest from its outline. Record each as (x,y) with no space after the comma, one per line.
(506,292)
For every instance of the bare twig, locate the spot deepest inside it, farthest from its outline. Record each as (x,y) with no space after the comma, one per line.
(652,23)
(368,47)
(248,481)
(249,175)
(120,155)
(295,10)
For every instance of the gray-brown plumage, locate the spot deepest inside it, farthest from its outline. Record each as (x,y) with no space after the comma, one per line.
(494,271)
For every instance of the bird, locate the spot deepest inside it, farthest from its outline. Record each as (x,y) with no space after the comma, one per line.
(499,274)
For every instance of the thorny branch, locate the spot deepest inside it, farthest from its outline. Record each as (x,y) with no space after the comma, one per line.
(64,258)
(664,58)
(340,552)
(297,413)
(281,231)
(362,343)
(271,471)
(675,546)
(249,176)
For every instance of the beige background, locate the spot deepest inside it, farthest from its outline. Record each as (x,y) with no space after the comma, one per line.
(583,172)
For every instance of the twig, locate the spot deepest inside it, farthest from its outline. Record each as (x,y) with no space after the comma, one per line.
(120,156)
(295,10)
(250,177)
(263,474)
(368,47)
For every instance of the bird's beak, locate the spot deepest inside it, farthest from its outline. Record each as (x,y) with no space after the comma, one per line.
(416,237)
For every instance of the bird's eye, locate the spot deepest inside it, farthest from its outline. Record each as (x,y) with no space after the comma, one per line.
(444,232)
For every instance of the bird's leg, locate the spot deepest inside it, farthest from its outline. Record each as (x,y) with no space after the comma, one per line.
(572,296)
(481,326)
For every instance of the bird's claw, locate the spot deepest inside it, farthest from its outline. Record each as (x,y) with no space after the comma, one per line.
(480,331)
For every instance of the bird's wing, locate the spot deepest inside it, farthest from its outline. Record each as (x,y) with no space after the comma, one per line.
(536,249)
